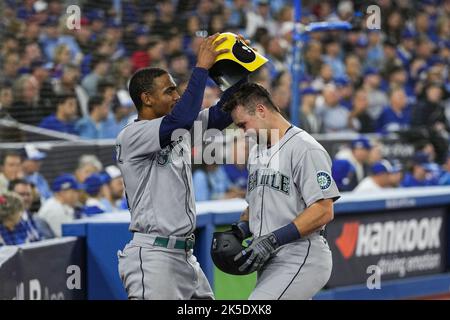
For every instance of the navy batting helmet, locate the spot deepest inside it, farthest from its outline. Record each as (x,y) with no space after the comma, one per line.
(224,247)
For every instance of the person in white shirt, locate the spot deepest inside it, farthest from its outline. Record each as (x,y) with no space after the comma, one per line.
(60,208)
(379,179)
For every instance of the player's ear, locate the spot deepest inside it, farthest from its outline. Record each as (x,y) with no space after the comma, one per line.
(146,99)
(260,110)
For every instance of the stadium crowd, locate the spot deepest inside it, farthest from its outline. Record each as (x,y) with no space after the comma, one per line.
(74,80)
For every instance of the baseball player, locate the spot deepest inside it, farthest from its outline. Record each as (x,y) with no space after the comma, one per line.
(290,194)
(154,160)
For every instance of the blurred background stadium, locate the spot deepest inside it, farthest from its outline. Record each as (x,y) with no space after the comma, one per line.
(378,99)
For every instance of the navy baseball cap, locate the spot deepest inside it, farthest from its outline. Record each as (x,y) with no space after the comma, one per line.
(342,81)
(422,159)
(408,34)
(142,31)
(94,182)
(65,182)
(96,15)
(371,71)
(51,21)
(340,170)
(308,90)
(361,142)
(381,167)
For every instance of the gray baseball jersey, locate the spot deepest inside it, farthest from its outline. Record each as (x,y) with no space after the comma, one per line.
(283,181)
(152,174)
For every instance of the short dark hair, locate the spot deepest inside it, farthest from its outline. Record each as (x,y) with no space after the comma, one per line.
(142,81)
(248,96)
(13,183)
(97,59)
(103,85)
(62,98)
(94,102)
(9,153)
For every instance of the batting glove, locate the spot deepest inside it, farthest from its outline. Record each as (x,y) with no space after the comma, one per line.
(260,250)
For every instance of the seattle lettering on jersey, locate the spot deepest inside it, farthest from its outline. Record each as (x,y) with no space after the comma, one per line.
(270,178)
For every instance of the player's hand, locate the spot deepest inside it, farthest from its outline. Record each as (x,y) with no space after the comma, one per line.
(241,230)
(260,250)
(207,53)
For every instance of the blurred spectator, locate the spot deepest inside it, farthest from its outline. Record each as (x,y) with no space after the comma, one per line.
(155,51)
(333,58)
(211,183)
(374,50)
(31,166)
(313,59)
(123,112)
(25,108)
(406,47)
(52,38)
(61,58)
(95,203)
(13,229)
(100,67)
(64,118)
(281,96)
(237,16)
(107,91)
(358,156)
(25,190)
(140,57)
(6,99)
(121,73)
(376,98)
(344,175)
(87,165)
(444,179)
(10,66)
(396,175)
(345,88)
(94,126)
(166,22)
(429,112)
(419,174)
(353,68)
(396,116)
(10,169)
(69,84)
(334,116)
(236,171)
(179,65)
(260,17)
(116,187)
(380,178)
(60,208)
(325,77)
(309,121)
(40,74)
(360,120)
(211,95)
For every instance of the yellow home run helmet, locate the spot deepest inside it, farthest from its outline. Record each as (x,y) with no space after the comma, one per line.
(234,65)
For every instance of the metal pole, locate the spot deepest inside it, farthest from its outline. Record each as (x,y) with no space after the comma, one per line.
(295,71)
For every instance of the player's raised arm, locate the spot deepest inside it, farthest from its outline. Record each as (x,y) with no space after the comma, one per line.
(186,110)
